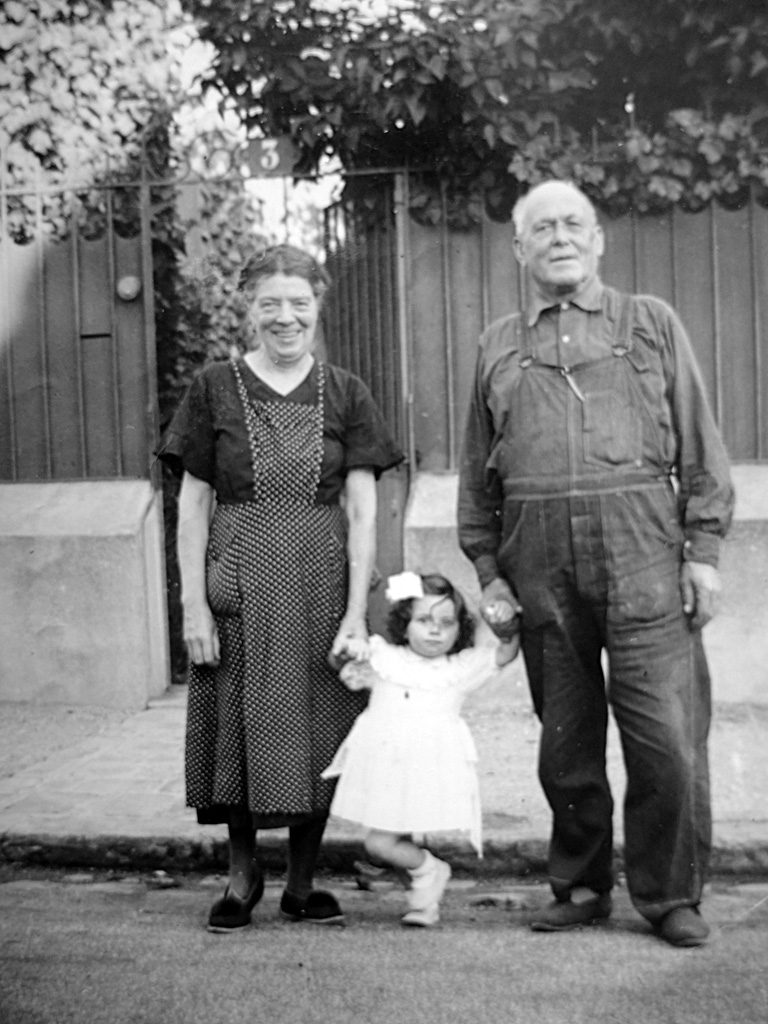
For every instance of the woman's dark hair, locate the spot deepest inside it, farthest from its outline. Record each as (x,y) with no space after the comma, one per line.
(284,259)
(432,584)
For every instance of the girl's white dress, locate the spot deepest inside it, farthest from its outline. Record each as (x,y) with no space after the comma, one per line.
(409,762)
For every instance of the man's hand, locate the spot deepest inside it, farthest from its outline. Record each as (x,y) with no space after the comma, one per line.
(500,609)
(700,590)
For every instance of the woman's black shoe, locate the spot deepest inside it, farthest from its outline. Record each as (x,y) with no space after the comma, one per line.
(318,908)
(230,912)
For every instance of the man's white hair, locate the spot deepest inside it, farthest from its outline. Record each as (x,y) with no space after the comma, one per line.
(520,208)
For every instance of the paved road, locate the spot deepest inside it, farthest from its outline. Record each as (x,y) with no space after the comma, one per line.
(89,949)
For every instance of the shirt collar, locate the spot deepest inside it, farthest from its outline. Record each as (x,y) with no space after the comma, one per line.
(589,298)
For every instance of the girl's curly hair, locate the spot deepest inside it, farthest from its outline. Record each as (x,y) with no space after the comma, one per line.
(432,584)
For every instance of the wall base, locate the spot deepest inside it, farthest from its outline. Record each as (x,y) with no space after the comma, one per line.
(736,640)
(82,607)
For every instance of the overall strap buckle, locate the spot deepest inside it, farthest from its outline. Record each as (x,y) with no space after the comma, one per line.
(621,309)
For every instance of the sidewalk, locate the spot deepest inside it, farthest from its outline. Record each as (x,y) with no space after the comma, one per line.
(89,787)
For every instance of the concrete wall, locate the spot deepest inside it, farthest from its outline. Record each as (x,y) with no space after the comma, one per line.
(82,602)
(736,640)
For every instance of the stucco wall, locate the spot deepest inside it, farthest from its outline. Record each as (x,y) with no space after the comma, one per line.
(82,602)
(736,640)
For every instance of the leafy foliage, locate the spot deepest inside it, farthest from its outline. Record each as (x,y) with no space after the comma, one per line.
(78,83)
(644,104)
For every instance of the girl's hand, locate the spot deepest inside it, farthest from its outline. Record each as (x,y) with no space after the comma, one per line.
(201,636)
(357,675)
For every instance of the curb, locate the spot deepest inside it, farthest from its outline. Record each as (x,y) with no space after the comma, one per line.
(522,859)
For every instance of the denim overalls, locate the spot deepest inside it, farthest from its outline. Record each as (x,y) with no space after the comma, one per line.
(592,545)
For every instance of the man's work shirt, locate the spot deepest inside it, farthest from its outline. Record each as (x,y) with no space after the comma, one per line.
(684,444)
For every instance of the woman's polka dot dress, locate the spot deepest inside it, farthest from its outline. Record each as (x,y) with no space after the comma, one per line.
(264,723)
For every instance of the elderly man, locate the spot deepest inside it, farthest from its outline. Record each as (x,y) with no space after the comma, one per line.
(594,491)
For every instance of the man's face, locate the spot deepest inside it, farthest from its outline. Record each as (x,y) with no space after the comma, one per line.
(560,241)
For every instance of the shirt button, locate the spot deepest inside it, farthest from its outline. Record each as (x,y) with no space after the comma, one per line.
(566,338)
(563,305)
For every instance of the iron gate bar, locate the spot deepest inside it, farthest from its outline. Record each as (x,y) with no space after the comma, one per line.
(388,325)
(402,238)
(445,272)
(367,362)
(152,412)
(113,351)
(78,326)
(756,327)
(5,334)
(389,369)
(375,283)
(41,292)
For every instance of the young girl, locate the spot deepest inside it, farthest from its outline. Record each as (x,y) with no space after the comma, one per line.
(408,763)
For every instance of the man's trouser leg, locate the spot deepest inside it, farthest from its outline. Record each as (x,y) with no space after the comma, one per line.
(568,689)
(660,692)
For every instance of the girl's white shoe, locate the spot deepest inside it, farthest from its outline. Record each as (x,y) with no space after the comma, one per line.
(428,884)
(421,918)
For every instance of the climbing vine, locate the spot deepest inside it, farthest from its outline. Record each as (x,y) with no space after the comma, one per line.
(646,105)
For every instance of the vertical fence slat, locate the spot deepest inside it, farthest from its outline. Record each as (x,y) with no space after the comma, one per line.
(5,329)
(45,382)
(485,298)
(403,242)
(448,354)
(717,318)
(117,412)
(78,322)
(757,321)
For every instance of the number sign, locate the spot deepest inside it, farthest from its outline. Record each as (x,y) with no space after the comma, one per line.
(271,156)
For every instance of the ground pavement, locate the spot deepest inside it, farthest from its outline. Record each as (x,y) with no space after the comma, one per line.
(95,787)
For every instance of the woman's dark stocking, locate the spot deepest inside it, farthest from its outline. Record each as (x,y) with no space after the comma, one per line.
(242,848)
(303,847)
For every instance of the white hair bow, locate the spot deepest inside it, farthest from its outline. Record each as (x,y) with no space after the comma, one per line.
(403,586)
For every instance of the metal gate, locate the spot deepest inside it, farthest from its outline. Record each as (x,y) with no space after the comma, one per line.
(366,330)
(77,353)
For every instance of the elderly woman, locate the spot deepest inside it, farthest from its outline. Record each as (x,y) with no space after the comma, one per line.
(280,453)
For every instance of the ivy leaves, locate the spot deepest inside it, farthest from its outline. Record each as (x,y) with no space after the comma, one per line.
(479,98)
(79,82)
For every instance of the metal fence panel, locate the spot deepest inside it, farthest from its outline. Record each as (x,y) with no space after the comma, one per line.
(708,265)
(77,387)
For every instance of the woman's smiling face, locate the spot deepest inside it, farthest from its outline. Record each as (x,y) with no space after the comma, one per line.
(284,313)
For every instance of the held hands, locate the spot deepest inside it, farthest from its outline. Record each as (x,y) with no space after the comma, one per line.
(700,590)
(357,675)
(351,644)
(201,636)
(501,610)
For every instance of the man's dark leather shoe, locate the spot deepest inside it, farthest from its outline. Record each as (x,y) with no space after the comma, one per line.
(684,926)
(562,917)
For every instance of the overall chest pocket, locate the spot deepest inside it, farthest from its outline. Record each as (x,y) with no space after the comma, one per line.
(612,427)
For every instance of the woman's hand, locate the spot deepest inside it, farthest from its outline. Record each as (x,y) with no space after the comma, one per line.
(350,644)
(201,636)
